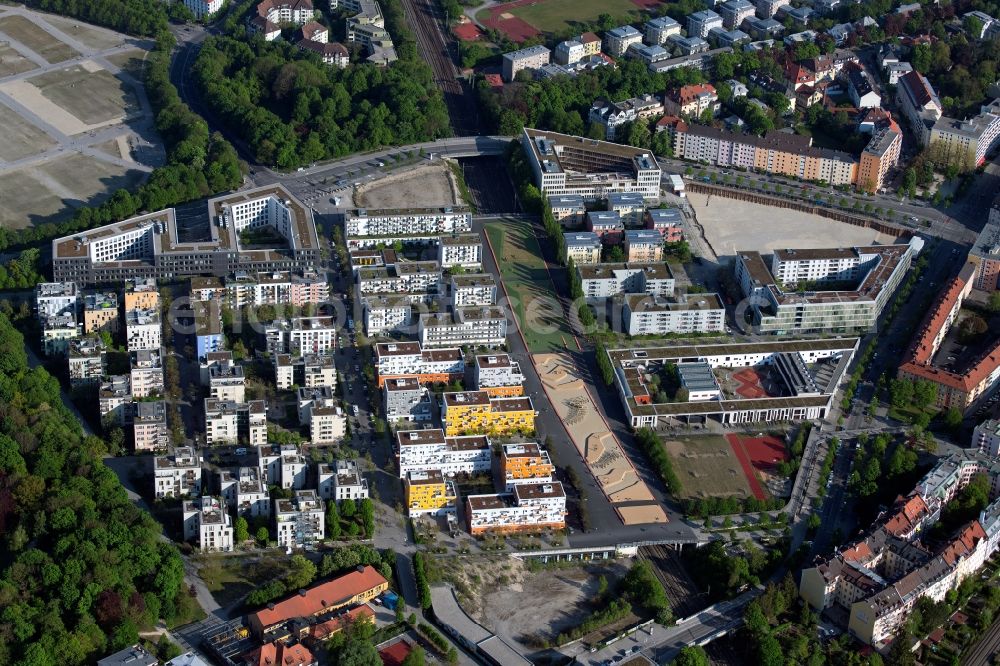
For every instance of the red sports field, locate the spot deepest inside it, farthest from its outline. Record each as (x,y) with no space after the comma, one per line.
(517,29)
(467,32)
(750,384)
(757,454)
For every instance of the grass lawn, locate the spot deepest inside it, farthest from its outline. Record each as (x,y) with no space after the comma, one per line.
(707,467)
(533,298)
(556,15)
(231,577)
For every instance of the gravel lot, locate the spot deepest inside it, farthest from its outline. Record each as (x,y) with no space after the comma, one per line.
(424,187)
(731,225)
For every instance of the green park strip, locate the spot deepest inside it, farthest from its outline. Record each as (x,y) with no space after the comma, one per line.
(529,287)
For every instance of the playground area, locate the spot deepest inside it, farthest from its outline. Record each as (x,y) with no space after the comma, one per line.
(599,447)
(748,383)
(524,19)
(707,466)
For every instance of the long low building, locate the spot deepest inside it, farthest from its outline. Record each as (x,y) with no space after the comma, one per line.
(528,508)
(592,169)
(149,246)
(845,289)
(691,313)
(802,381)
(408,359)
(356,587)
(406,222)
(466,326)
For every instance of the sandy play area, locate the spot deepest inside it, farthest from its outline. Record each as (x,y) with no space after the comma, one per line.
(599,447)
(427,186)
(731,225)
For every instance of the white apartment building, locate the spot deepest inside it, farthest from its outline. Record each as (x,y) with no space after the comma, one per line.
(406,222)
(309,371)
(968,142)
(282,466)
(607,280)
(306,398)
(426,450)
(406,399)
(691,313)
(408,359)
(328,423)
(530,58)
(275,288)
(203,8)
(301,336)
(986,438)
(87,360)
(496,370)
(177,474)
(146,375)
(227,382)
(643,246)
(245,493)
(143,329)
(568,52)
(207,522)
(659,30)
(470,289)
(529,508)
(583,247)
(402,277)
(701,23)
(54,298)
(228,422)
(387,314)
(768,8)
(341,480)
(301,520)
(617,40)
(465,250)
(149,426)
(466,326)
(734,12)
(114,400)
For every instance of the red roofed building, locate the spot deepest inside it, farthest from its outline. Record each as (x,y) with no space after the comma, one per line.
(396,653)
(591,43)
(692,101)
(954,389)
(325,630)
(279,654)
(909,517)
(356,587)
(494,80)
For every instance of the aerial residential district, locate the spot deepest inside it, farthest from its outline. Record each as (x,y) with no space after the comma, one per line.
(499,332)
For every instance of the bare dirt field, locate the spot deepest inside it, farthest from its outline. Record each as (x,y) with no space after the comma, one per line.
(75,132)
(88,35)
(731,225)
(427,186)
(107,99)
(12,62)
(34,193)
(558,597)
(19,138)
(707,467)
(36,39)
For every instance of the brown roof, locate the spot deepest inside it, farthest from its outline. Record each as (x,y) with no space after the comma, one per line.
(588,38)
(320,597)
(918,89)
(325,630)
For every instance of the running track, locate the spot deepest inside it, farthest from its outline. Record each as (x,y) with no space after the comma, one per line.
(741,454)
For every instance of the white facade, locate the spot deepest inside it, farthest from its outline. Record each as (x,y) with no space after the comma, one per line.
(532,57)
(146,375)
(177,474)
(659,30)
(986,437)
(529,507)
(385,315)
(436,221)
(465,250)
(341,480)
(245,493)
(301,520)
(203,8)
(207,521)
(143,329)
(696,313)
(235,422)
(53,298)
(583,247)
(475,326)
(617,40)
(607,280)
(473,289)
(407,358)
(494,370)
(426,450)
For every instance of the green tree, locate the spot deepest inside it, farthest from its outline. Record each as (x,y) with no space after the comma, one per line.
(301,572)
(358,652)
(332,520)
(416,657)
(993,303)
(241,530)
(692,655)
(262,536)
(348,508)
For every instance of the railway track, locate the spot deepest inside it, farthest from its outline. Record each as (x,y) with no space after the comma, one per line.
(436,48)
(684,596)
(983,651)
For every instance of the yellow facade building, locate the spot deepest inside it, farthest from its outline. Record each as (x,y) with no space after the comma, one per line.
(428,492)
(475,412)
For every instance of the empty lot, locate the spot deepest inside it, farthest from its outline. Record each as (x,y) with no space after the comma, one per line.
(107,98)
(731,225)
(426,186)
(19,138)
(36,39)
(706,467)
